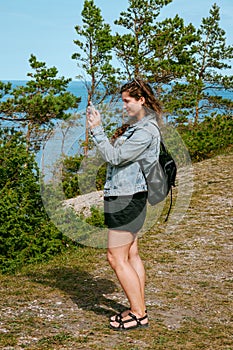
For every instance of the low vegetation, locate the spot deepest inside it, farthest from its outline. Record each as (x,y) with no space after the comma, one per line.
(65,304)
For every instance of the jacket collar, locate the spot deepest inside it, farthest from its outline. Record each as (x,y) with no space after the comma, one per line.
(147,118)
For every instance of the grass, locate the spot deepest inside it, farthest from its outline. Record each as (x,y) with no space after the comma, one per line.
(65,304)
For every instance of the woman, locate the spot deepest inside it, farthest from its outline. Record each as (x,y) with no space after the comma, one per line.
(134,145)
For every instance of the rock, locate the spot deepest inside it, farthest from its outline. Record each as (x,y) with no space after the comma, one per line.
(82,204)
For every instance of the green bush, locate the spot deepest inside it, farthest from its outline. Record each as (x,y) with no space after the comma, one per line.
(82,175)
(96,218)
(26,233)
(210,137)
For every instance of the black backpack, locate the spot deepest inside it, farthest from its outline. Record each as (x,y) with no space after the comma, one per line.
(161,176)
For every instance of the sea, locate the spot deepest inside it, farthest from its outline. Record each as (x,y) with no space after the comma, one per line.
(75,87)
(73,139)
(78,88)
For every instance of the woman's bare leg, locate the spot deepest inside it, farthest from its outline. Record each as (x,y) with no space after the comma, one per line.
(136,262)
(119,245)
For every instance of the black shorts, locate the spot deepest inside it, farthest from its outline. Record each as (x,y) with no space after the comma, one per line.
(125,213)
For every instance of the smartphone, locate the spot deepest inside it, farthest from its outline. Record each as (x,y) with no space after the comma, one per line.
(91,107)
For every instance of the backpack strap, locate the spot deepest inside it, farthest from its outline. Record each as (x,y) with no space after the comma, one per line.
(164,148)
(162,144)
(170,206)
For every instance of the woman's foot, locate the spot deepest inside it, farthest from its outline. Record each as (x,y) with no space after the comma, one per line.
(128,322)
(121,315)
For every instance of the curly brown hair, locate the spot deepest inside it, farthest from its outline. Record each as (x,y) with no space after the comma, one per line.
(138,88)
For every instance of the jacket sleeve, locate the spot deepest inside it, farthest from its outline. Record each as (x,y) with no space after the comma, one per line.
(128,152)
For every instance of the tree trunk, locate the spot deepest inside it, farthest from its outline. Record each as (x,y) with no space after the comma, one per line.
(196,118)
(86,128)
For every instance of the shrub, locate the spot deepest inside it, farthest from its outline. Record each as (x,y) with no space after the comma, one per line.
(82,175)
(26,234)
(210,137)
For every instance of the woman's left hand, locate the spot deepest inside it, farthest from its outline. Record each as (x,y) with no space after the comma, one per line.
(93,117)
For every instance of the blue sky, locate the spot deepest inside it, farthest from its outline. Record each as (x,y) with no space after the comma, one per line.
(46,29)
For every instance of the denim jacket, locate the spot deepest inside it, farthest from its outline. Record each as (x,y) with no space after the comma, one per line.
(139,143)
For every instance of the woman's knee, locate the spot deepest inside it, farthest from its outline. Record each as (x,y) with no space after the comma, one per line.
(116,260)
(134,258)
(133,252)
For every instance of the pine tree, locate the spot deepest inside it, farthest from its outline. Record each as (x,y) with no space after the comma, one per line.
(197,96)
(36,105)
(4,88)
(95,58)
(156,51)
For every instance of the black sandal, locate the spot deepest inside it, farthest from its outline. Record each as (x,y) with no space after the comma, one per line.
(118,317)
(121,323)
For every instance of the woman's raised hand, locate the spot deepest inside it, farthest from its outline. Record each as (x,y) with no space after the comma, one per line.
(93,117)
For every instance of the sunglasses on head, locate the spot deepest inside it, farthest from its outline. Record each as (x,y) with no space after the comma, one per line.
(136,81)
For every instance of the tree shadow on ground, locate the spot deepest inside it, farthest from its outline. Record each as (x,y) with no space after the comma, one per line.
(85,290)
